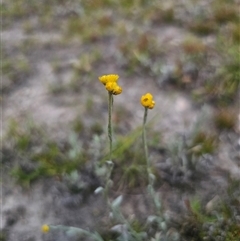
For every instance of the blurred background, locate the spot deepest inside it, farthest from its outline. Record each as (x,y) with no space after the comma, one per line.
(54,109)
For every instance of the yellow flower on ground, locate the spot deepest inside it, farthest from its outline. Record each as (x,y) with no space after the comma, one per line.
(104,79)
(147,101)
(113,88)
(45,228)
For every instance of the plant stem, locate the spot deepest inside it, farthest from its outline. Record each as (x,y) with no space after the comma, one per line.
(145,141)
(109,162)
(110,107)
(149,173)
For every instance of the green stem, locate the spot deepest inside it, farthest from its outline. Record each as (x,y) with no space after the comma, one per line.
(107,185)
(145,141)
(110,163)
(110,107)
(150,182)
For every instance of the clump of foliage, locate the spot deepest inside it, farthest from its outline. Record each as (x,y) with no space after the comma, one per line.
(41,156)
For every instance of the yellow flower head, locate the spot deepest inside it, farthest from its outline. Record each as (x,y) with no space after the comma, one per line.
(117,90)
(108,78)
(113,88)
(147,101)
(45,228)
